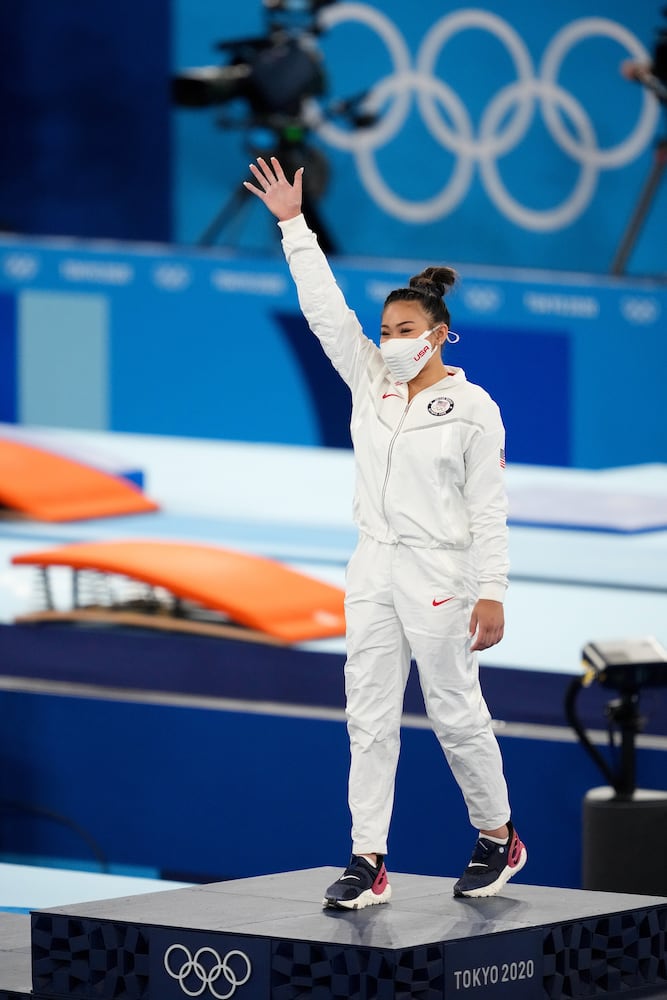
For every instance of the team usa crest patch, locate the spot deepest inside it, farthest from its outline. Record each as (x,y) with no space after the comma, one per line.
(440,406)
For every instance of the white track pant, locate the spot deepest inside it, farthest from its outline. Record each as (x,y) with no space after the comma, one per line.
(396,603)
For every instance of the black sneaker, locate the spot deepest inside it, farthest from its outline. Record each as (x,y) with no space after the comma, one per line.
(491,866)
(360,885)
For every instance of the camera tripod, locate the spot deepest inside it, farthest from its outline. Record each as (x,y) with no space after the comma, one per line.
(623,713)
(619,813)
(646,196)
(293,152)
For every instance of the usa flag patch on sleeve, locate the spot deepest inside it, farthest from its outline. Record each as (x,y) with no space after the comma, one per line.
(502,458)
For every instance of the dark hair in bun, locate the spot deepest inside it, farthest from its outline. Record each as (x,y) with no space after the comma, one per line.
(429,289)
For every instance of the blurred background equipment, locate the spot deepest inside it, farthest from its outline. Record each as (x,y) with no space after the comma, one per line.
(273,75)
(654,77)
(48,485)
(195,588)
(492,137)
(622,824)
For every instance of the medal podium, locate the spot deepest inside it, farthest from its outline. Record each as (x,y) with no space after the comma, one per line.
(268,938)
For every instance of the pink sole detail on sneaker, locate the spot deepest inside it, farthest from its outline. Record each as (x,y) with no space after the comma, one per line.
(514,852)
(381,882)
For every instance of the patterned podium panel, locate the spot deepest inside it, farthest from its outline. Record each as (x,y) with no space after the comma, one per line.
(267,938)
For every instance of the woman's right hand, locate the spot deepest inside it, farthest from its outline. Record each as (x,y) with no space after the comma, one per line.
(280,197)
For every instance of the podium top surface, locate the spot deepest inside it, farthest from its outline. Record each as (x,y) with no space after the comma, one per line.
(288,906)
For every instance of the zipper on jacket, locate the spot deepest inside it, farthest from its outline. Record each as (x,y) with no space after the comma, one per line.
(389,454)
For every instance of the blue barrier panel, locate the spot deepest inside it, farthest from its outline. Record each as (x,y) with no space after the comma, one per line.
(211,345)
(209,794)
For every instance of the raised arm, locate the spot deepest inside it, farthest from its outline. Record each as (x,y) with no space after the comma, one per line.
(321,300)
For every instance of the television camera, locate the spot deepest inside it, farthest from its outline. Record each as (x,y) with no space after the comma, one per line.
(273,76)
(274,73)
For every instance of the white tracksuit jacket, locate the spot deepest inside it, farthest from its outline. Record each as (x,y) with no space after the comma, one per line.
(446,492)
(429,480)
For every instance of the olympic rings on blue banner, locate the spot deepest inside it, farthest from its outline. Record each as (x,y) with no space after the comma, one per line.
(503,124)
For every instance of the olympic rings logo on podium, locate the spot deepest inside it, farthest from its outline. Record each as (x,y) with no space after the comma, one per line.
(206,974)
(504,122)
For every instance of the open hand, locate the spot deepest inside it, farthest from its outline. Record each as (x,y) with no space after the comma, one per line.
(280,197)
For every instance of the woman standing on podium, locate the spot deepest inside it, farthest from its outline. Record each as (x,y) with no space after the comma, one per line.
(429,573)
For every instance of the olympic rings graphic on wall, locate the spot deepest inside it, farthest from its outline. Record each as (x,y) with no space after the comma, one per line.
(207,974)
(503,125)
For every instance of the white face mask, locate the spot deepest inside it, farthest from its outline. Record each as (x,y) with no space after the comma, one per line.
(406,356)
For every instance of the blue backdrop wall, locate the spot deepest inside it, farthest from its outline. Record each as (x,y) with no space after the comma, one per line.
(502,133)
(505,133)
(84,124)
